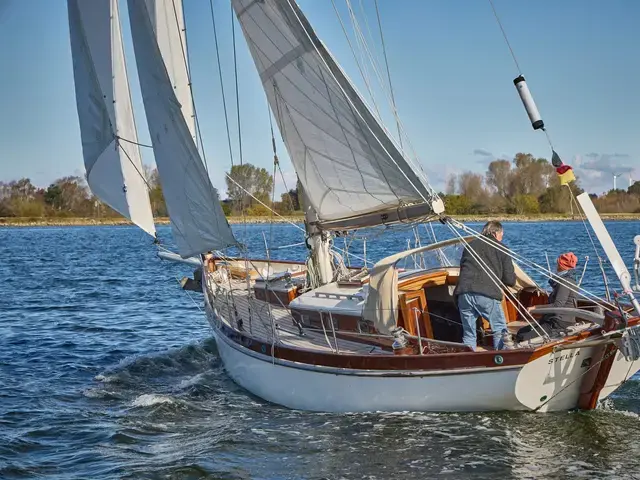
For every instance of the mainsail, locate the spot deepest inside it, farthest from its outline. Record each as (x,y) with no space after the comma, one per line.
(167,19)
(346,161)
(197,220)
(107,127)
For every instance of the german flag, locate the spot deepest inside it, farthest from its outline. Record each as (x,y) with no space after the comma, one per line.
(565,172)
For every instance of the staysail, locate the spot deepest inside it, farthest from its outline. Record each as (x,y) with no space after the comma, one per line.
(167,18)
(352,172)
(197,220)
(107,128)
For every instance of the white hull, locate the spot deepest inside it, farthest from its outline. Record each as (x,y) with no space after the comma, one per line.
(326,389)
(621,370)
(359,391)
(301,374)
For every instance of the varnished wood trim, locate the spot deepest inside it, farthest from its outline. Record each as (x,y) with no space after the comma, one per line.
(548,347)
(425,280)
(430,362)
(264,260)
(589,400)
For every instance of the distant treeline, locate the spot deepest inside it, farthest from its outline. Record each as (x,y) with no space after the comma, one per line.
(70,197)
(527,185)
(524,186)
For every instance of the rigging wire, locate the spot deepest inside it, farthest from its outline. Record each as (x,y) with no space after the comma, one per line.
(355,57)
(277,162)
(144,179)
(573,199)
(593,244)
(413,162)
(515,60)
(235,69)
(386,63)
(430,192)
(133,143)
(506,39)
(545,272)
(224,97)
(183,49)
(242,199)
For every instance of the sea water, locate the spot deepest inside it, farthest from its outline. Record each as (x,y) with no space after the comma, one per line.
(108,370)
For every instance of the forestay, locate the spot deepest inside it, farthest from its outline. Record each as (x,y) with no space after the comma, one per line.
(346,161)
(107,127)
(167,19)
(197,221)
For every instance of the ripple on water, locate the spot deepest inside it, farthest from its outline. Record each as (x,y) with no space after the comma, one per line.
(107,371)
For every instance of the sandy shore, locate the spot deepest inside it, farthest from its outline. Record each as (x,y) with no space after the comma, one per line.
(63,222)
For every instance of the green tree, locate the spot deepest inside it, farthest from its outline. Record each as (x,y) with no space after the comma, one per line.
(74,196)
(288,203)
(156,195)
(257,181)
(525,204)
(457,204)
(557,199)
(634,189)
(53,196)
(617,201)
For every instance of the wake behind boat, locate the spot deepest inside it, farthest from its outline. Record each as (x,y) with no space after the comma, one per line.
(321,335)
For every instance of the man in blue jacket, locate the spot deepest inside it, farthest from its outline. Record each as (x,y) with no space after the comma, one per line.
(477,293)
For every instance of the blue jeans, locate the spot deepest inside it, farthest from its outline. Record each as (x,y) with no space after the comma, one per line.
(472,306)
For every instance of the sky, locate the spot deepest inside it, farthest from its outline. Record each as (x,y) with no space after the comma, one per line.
(451,70)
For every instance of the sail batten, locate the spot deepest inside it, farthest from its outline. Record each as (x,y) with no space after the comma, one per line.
(105,112)
(197,220)
(346,160)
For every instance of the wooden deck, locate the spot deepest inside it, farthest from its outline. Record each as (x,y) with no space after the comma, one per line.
(257,321)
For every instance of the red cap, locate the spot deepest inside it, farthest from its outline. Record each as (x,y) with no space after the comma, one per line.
(567,261)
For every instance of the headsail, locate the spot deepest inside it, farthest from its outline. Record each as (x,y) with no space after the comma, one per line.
(346,161)
(167,19)
(197,220)
(107,127)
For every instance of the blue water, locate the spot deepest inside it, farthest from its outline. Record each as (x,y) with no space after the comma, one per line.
(107,370)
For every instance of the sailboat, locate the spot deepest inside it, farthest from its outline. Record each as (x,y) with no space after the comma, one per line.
(320,335)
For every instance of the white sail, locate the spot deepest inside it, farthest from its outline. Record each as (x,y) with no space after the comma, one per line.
(345,160)
(167,19)
(107,127)
(197,220)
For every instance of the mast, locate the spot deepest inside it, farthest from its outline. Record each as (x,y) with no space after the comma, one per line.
(319,243)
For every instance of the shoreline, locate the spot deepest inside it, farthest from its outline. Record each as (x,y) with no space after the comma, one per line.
(115,221)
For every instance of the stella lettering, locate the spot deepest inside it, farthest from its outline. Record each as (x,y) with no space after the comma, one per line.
(567,356)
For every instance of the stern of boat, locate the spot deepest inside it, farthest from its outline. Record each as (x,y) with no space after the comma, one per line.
(576,373)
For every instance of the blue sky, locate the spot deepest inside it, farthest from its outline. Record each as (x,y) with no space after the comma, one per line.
(451,71)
